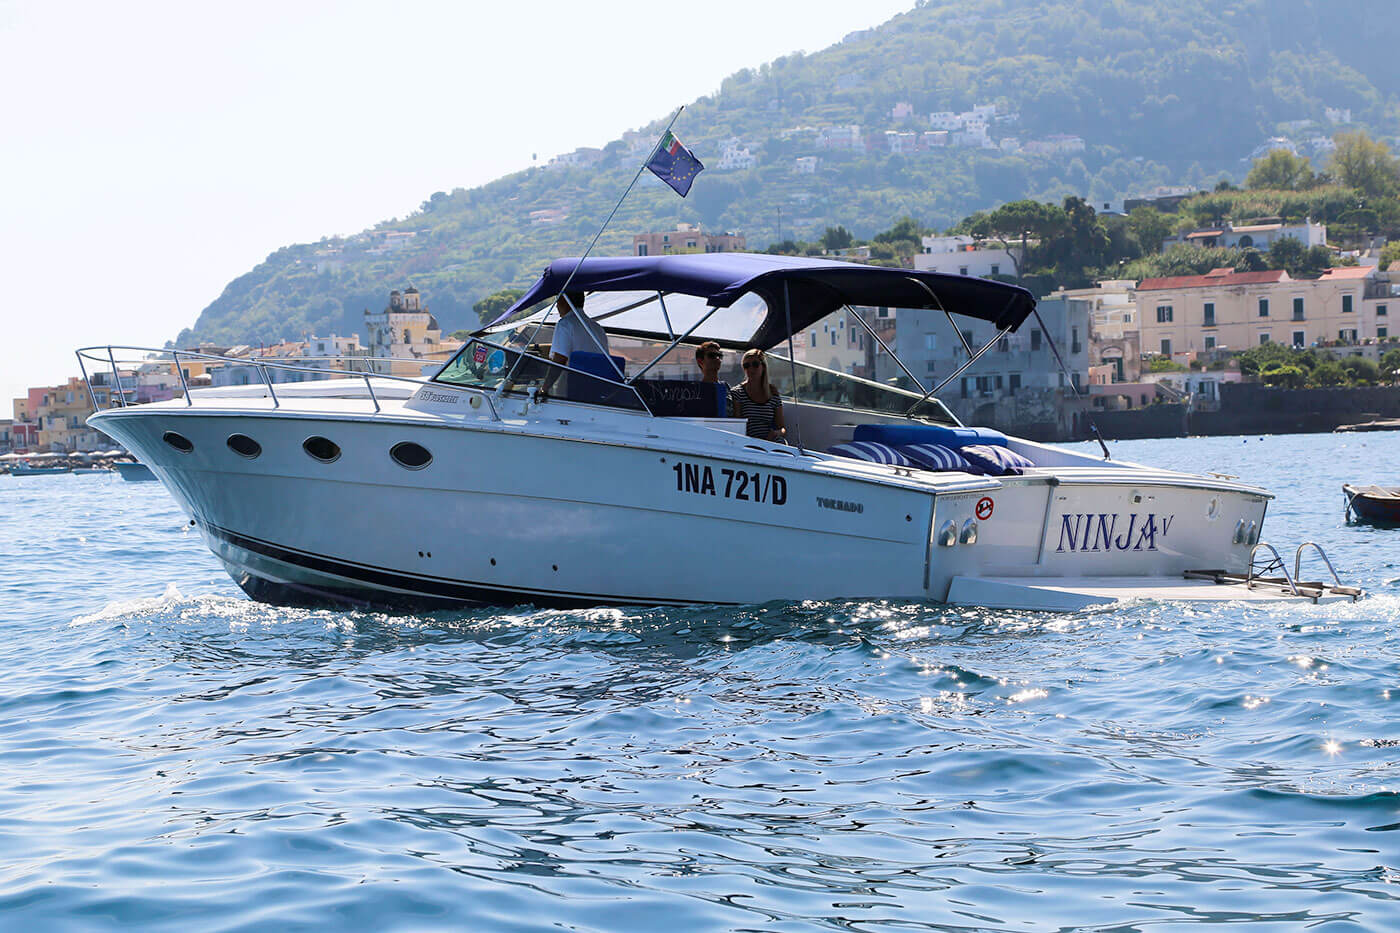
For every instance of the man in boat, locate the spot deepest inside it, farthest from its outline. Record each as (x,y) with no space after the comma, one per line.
(709,356)
(574,332)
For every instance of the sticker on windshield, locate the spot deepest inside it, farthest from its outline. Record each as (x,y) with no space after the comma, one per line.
(496,362)
(479,354)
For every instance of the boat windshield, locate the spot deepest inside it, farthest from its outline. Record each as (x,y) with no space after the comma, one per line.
(829,387)
(487,363)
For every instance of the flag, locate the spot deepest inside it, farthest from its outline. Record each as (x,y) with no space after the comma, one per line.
(674,164)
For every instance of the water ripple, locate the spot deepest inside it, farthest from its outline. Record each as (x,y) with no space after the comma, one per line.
(175,756)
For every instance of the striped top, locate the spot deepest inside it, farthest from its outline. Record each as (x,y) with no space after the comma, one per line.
(760,415)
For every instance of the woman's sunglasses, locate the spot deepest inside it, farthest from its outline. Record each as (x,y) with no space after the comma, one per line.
(753,364)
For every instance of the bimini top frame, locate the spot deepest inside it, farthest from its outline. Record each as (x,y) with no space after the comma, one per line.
(797,291)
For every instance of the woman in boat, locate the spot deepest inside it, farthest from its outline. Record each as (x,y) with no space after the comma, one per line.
(756,400)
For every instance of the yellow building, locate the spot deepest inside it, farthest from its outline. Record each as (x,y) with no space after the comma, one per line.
(1232,310)
(62,415)
(406,333)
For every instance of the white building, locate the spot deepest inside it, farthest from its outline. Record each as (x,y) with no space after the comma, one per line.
(961,255)
(806,165)
(735,156)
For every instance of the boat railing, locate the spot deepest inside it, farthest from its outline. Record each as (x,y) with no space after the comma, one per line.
(360,368)
(1298,561)
(1275,564)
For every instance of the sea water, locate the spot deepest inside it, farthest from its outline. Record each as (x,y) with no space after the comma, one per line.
(173,756)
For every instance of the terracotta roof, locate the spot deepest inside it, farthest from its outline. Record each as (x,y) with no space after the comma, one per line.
(1203,281)
(1348,272)
(1203,233)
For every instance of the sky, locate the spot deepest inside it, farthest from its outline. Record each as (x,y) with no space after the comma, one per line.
(154,151)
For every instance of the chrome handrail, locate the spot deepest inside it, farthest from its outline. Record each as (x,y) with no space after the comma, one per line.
(1277,562)
(107,354)
(1298,561)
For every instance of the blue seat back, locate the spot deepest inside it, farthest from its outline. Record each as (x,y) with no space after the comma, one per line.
(596,364)
(900,435)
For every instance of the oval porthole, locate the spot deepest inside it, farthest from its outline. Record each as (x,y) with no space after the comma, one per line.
(244,446)
(181,443)
(322,448)
(410,456)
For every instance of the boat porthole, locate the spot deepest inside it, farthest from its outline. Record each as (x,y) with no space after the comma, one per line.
(556,567)
(410,456)
(321,448)
(181,443)
(244,446)
(493,562)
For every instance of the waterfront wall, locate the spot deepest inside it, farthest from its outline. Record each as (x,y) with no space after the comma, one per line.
(1251,408)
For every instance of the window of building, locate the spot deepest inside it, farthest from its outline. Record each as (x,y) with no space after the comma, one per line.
(814,338)
(1299,338)
(931,368)
(1035,340)
(984,384)
(1346,304)
(1263,339)
(1380,310)
(1209,314)
(882,312)
(1074,345)
(641,249)
(690,244)
(998,382)
(1263,307)
(1382,332)
(1004,345)
(1015,382)
(1210,342)
(1075,377)
(1166,348)
(962,270)
(930,341)
(1164,314)
(833,338)
(665,238)
(1347,335)
(996,269)
(1297,309)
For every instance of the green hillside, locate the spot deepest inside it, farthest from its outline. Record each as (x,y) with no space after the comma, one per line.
(1160,92)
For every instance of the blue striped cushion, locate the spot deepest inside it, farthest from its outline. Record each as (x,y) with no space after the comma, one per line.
(938,457)
(997,461)
(872,452)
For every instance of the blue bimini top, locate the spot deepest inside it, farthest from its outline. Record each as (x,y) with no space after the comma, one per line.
(797,291)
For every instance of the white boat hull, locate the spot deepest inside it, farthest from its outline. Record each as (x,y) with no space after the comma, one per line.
(547,512)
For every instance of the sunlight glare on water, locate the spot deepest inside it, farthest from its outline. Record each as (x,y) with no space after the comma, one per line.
(176,756)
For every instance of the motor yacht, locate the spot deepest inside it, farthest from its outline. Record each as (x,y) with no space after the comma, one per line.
(627,483)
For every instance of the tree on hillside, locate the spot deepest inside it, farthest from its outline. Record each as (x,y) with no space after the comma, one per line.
(1082,245)
(837,238)
(1390,254)
(1017,221)
(1281,170)
(1365,164)
(1300,261)
(1149,227)
(490,307)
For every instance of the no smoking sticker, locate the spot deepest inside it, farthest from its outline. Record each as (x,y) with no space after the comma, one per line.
(984,508)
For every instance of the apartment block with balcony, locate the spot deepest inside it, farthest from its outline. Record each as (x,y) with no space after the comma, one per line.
(1224,309)
(686,238)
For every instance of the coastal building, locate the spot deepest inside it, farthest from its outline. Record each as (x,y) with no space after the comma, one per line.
(1224,309)
(962,255)
(406,334)
(1114,339)
(1018,383)
(686,238)
(735,156)
(837,342)
(61,415)
(1256,236)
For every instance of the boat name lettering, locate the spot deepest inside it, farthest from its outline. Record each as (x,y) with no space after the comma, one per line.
(704,480)
(840,505)
(1108,531)
(427,395)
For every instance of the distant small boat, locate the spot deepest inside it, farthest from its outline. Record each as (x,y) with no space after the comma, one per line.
(91,470)
(1373,505)
(1391,424)
(24,469)
(132,471)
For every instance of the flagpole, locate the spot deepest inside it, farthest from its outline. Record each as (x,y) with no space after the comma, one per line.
(626,191)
